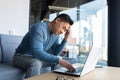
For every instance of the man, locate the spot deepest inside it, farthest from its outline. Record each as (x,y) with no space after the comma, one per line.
(40,45)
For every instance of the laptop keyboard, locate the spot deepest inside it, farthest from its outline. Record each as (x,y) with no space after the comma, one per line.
(78,69)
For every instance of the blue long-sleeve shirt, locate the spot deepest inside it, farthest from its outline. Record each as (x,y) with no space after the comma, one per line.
(41,43)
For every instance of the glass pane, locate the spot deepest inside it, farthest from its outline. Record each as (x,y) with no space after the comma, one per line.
(88,31)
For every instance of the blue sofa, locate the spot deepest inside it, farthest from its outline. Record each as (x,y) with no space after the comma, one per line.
(8,44)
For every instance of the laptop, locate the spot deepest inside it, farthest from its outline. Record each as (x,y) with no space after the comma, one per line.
(82,69)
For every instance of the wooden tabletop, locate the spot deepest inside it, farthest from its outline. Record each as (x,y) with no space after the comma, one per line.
(105,73)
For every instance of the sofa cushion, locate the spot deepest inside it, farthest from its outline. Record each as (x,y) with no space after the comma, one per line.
(9,72)
(0,54)
(0,50)
(45,69)
(8,45)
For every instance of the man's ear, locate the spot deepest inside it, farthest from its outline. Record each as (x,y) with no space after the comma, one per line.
(57,20)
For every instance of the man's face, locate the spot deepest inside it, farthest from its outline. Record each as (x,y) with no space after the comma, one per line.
(60,27)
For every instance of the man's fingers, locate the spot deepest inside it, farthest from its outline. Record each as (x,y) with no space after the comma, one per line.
(70,67)
(66,65)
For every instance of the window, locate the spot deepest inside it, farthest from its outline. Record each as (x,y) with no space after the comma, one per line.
(89,29)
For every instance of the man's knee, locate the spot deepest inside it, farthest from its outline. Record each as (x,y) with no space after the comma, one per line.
(34,68)
(36,64)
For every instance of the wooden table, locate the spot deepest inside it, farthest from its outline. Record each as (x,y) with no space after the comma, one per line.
(105,73)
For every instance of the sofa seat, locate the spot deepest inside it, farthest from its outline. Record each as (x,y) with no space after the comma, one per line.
(8,72)
(8,44)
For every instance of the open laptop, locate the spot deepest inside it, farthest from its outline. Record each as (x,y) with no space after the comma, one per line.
(82,69)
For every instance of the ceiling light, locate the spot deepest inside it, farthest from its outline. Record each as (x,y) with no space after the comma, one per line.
(58,8)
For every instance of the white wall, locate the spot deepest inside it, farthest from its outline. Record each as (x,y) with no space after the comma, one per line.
(14,16)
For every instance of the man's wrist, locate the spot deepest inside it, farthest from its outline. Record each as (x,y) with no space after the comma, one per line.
(66,39)
(60,59)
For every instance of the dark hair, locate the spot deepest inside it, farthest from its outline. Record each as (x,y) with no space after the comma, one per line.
(65,18)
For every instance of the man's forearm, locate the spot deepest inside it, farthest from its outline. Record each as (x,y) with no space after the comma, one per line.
(59,48)
(44,56)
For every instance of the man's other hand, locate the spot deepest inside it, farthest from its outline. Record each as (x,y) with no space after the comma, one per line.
(67,34)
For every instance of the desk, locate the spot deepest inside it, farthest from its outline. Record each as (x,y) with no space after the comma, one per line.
(105,73)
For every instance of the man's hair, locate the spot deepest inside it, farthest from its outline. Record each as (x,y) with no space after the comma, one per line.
(65,18)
